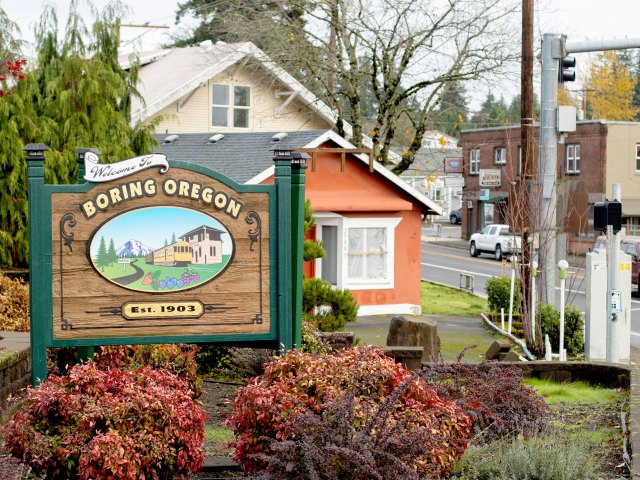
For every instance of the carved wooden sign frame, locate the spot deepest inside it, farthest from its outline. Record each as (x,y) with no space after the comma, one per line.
(167,253)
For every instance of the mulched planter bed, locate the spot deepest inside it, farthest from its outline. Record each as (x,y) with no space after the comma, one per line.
(575,419)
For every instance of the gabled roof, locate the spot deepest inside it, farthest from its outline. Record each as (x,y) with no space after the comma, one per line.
(248,157)
(168,75)
(239,156)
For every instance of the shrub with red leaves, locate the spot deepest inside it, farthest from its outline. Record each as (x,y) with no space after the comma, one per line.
(300,384)
(179,359)
(108,424)
(493,396)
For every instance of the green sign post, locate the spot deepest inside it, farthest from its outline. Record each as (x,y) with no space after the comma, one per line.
(150,251)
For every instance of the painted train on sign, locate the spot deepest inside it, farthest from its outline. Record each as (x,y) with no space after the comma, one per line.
(178,254)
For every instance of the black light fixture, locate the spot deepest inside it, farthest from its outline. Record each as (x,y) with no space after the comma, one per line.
(35,151)
(80,152)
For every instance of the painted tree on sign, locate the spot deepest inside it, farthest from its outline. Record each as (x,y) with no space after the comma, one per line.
(102,257)
(111,254)
(613,87)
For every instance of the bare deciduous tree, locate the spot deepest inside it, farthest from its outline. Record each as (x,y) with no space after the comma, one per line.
(393,55)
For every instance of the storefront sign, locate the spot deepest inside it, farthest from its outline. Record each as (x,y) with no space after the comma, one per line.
(454,165)
(489,177)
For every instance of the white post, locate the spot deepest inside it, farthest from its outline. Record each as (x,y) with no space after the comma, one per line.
(534,272)
(514,264)
(502,318)
(613,322)
(548,354)
(563,265)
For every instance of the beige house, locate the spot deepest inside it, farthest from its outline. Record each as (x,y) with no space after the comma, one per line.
(225,88)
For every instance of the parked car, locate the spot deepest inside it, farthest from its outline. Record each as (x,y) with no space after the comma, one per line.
(495,239)
(455,217)
(630,246)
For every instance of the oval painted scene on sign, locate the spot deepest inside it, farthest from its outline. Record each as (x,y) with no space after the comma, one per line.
(161,249)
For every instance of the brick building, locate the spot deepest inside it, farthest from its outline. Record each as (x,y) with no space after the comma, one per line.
(598,154)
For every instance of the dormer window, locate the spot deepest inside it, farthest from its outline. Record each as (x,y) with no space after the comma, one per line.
(230,106)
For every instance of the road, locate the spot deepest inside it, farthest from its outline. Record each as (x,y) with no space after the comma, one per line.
(444,264)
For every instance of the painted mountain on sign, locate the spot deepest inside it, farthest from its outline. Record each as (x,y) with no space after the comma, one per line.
(133,248)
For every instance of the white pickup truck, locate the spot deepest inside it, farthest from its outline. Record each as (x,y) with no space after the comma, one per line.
(495,239)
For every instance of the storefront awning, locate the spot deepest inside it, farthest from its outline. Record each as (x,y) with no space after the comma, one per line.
(498,197)
(631,207)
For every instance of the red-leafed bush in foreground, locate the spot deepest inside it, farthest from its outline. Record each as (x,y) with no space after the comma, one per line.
(368,385)
(492,395)
(108,424)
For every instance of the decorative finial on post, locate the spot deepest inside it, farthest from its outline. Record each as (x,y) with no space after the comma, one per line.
(299,159)
(80,153)
(35,151)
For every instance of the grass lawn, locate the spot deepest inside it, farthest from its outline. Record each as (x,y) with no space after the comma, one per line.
(572,393)
(454,336)
(216,439)
(440,300)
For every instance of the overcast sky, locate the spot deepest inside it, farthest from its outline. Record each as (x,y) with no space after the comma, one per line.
(578,19)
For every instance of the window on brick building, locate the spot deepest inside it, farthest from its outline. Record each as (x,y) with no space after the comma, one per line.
(519,159)
(474,161)
(573,158)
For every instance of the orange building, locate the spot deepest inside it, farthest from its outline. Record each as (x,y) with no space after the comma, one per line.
(369,222)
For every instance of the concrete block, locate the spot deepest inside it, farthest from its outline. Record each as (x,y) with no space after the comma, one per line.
(415,332)
(501,345)
(409,357)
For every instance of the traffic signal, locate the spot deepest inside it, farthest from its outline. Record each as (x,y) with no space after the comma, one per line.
(566,72)
(606,213)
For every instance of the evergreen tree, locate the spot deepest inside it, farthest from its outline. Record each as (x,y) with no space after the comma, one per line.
(102,258)
(452,111)
(219,21)
(76,96)
(173,238)
(111,254)
(492,113)
(312,249)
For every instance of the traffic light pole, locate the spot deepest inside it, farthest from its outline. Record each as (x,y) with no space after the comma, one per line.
(554,49)
(552,44)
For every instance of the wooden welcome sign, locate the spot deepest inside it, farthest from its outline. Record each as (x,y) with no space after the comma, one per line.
(148,251)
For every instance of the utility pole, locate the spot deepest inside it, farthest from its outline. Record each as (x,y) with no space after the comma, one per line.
(554,49)
(526,148)
(130,25)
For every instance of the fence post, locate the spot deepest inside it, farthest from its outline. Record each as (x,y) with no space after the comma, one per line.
(282,159)
(298,168)
(38,287)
